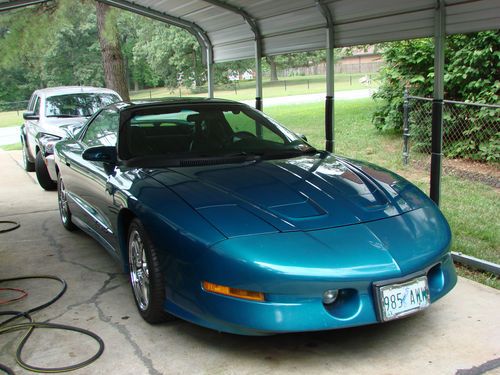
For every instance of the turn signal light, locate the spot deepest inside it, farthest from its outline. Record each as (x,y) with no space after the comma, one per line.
(233,292)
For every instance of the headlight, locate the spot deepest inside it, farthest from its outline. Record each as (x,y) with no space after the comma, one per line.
(47,141)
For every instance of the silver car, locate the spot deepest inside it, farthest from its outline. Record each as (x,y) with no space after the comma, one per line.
(53,113)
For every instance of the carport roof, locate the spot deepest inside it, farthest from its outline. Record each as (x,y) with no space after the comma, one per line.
(231,26)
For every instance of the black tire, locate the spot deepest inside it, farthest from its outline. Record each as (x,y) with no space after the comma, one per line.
(62,201)
(146,278)
(42,174)
(28,165)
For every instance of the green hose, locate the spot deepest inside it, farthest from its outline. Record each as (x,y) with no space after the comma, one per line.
(31,325)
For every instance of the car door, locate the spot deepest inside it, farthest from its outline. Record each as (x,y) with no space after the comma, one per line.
(89,182)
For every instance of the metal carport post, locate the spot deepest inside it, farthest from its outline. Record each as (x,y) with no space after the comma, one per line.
(330,72)
(437,102)
(258,45)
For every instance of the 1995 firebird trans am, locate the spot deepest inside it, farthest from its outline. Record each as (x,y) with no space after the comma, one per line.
(227,219)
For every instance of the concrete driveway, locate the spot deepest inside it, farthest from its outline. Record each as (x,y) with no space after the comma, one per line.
(458,334)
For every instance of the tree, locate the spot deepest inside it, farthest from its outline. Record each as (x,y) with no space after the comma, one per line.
(21,70)
(224,70)
(48,45)
(112,58)
(139,72)
(173,54)
(273,67)
(471,74)
(73,56)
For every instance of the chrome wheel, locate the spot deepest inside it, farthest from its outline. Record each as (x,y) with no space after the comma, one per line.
(139,270)
(63,203)
(62,200)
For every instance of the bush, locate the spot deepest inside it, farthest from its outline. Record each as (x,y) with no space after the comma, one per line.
(471,74)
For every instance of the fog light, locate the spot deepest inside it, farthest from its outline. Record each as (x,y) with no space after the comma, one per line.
(330,296)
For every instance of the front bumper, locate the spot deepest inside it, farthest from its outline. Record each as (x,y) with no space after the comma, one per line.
(355,306)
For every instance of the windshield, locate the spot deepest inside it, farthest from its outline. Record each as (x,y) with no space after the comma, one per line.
(77,105)
(208,130)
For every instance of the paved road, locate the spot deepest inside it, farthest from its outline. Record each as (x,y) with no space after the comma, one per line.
(11,135)
(459,334)
(312,98)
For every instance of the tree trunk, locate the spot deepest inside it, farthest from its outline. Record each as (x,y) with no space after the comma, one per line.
(112,58)
(274,68)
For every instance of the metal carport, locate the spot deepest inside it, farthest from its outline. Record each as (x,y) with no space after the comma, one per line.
(236,29)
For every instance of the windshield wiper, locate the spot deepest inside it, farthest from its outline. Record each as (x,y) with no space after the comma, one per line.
(179,160)
(248,156)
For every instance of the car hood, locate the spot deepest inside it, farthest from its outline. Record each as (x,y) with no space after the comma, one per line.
(304,193)
(62,127)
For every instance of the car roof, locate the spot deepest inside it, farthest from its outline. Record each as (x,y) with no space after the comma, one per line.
(62,90)
(152,103)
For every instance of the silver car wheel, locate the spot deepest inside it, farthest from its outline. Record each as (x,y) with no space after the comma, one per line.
(63,203)
(139,271)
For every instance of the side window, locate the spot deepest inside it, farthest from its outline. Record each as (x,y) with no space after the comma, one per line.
(240,122)
(103,131)
(36,110)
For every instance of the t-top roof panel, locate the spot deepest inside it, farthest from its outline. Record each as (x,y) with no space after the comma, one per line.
(299,25)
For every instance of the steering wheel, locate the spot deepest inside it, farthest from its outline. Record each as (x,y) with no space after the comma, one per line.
(241,135)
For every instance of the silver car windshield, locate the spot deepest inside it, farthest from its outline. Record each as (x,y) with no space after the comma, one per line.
(77,105)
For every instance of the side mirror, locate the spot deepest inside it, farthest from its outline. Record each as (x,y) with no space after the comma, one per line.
(30,116)
(103,154)
(303,137)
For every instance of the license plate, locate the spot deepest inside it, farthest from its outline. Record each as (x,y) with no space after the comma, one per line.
(397,300)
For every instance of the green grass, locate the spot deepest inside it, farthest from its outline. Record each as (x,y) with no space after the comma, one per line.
(485,278)
(11,147)
(470,207)
(245,90)
(472,211)
(12,118)
(355,136)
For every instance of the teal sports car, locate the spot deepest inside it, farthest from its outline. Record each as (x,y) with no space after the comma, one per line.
(225,218)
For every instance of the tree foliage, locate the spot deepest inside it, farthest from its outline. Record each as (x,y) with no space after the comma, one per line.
(48,45)
(472,74)
(57,43)
(173,55)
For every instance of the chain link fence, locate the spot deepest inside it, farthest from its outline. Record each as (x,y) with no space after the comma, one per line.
(470,130)
(471,159)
